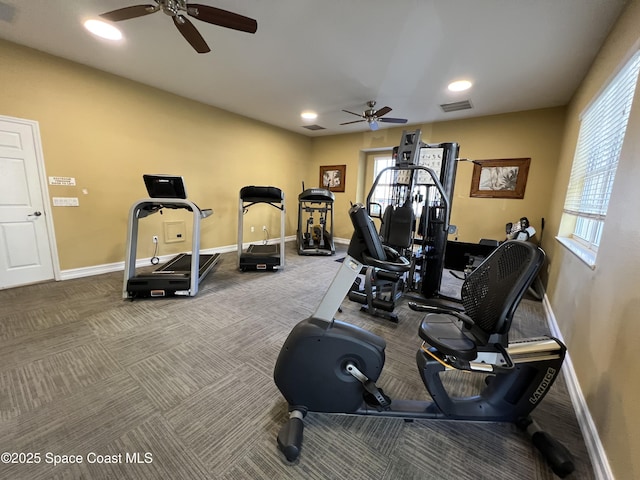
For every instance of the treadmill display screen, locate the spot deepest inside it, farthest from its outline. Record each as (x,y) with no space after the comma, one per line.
(165,186)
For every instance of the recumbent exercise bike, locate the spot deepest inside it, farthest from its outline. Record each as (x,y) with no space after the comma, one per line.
(330,366)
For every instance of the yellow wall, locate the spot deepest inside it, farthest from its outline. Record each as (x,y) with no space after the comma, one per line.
(107,131)
(598,310)
(536,134)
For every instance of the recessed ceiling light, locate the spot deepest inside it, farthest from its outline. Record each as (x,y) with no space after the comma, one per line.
(308,115)
(103,29)
(460,86)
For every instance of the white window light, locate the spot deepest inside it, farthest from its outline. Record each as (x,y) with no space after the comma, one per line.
(602,130)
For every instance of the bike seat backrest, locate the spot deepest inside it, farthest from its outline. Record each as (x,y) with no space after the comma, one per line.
(491,293)
(365,236)
(397,226)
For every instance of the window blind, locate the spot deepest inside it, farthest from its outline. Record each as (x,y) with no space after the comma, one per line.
(602,129)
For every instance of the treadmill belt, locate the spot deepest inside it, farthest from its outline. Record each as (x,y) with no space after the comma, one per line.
(264,249)
(182,263)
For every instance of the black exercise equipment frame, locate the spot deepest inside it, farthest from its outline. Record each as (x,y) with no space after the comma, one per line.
(425,275)
(310,201)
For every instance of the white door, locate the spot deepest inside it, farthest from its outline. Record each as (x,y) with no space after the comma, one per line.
(25,251)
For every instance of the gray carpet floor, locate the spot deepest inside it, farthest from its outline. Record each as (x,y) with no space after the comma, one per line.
(182,388)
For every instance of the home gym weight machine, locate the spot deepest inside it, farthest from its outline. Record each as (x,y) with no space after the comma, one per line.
(421,181)
(432,203)
(261,256)
(182,274)
(315,239)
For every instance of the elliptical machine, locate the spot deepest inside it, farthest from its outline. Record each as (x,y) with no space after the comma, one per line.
(330,366)
(315,239)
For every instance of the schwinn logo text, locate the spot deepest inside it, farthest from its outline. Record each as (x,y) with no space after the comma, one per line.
(544,385)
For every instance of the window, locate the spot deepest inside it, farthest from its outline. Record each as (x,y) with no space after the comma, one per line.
(380,163)
(602,129)
(382,194)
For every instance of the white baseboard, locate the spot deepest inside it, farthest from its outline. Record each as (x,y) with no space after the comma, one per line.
(142,262)
(597,454)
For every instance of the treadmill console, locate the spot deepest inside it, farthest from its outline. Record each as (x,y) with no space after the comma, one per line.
(165,186)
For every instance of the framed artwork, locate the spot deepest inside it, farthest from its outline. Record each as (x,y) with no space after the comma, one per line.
(504,178)
(332,177)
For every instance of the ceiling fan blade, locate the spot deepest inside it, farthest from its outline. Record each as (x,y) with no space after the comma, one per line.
(190,34)
(393,120)
(353,113)
(355,121)
(382,111)
(223,18)
(129,12)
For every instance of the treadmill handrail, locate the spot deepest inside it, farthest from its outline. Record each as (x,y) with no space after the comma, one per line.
(160,203)
(247,205)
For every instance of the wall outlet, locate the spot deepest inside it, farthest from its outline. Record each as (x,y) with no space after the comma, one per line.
(155,239)
(264,228)
(252,229)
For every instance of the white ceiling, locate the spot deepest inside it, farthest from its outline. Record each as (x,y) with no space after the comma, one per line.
(337,54)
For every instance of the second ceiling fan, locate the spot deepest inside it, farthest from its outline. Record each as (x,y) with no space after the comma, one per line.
(373,116)
(176,8)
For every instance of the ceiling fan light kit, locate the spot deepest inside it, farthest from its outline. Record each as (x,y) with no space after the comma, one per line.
(103,29)
(373,116)
(176,8)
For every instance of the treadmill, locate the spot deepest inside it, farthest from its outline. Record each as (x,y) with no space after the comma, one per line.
(261,256)
(315,239)
(182,274)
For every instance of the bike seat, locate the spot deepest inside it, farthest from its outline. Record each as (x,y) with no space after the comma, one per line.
(443,332)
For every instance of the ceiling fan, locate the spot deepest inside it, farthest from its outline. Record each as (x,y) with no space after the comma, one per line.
(176,8)
(373,116)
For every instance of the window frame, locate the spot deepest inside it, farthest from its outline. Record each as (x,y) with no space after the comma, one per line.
(598,148)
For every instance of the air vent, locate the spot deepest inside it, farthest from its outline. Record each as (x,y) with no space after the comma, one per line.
(455,106)
(313,127)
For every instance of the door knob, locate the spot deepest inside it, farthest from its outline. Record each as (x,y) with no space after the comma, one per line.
(35,214)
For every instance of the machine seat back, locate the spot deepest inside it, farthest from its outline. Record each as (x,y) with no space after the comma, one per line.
(366,246)
(365,236)
(491,293)
(397,226)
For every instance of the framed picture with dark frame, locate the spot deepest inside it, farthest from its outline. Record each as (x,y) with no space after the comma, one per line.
(502,178)
(333,177)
